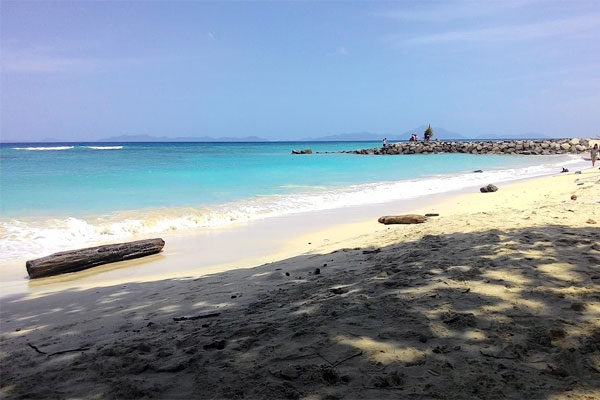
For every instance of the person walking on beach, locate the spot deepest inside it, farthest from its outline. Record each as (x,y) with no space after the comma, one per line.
(594,154)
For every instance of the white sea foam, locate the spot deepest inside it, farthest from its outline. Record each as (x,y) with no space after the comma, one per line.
(104,147)
(43,148)
(31,238)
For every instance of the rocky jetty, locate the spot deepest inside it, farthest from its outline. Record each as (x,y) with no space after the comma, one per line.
(305,151)
(528,147)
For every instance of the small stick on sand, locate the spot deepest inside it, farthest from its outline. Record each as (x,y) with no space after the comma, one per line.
(36,349)
(68,351)
(499,357)
(177,319)
(347,358)
(58,352)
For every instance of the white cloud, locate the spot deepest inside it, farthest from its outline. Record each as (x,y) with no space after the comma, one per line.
(48,60)
(560,27)
(451,10)
(32,62)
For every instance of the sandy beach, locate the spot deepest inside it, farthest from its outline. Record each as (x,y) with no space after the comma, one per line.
(498,297)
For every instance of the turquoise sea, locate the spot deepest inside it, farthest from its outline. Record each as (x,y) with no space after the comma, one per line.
(82,193)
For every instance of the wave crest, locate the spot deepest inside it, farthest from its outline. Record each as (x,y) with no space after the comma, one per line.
(44,148)
(32,238)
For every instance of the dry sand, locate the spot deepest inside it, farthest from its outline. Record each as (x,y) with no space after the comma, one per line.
(499,297)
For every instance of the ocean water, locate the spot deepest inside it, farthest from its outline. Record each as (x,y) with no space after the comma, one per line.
(64,195)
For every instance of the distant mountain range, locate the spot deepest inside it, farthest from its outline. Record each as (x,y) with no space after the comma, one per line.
(527,135)
(438,133)
(148,138)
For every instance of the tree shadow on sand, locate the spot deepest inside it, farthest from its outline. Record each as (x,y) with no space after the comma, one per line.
(487,315)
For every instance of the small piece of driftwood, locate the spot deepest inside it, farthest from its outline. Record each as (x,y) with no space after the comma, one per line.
(403,219)
(77,260)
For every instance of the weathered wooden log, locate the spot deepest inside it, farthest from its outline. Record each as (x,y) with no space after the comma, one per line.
(403,219)
(77,260)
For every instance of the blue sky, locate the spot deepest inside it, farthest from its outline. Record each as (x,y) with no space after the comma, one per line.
(285,70)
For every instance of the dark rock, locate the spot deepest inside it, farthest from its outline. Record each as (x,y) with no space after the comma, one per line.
(547,146)
(478,171)
(305,151)
(564,170)
(317,271)
(573,197)
(488,189)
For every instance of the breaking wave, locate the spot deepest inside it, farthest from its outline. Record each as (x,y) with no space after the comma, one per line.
(52,148)
(36,237)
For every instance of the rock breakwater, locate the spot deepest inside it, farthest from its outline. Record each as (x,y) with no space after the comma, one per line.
(527,147)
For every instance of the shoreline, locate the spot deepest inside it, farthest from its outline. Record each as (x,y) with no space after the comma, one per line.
(38,234)
(243,245)
(496,298)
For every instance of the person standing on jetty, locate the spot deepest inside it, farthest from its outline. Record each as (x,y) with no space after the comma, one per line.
(384,142)
(594,154)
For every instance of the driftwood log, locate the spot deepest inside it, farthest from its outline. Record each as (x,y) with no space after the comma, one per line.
(403,219)
(77,260)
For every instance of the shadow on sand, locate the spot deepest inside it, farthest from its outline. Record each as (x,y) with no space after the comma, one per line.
(486,315)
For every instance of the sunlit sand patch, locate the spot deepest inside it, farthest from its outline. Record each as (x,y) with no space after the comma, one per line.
(125,310)
(21,319)
(382,352)
(510,296)
(307,309)
(490,289)
(586,393)
(121,293)
(75,310)
(170,308)
(473,335)
(508,276)
(260,274)
(440,329)
(562,271)
(593,308)
(567,291)
(25,331)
